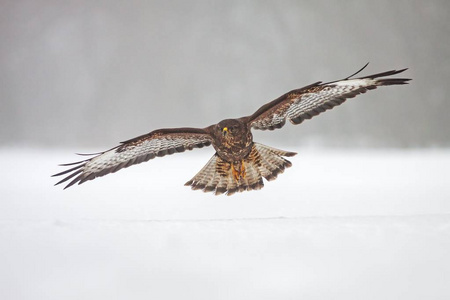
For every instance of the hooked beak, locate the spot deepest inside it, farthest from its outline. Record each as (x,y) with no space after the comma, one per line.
(225,131)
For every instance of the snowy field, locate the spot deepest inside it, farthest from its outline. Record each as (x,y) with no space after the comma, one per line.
(339,224)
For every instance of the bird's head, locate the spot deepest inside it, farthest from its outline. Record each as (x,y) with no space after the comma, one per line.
(230,128)
(231,135)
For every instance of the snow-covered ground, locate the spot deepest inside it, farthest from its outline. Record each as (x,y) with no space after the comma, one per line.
(339,224)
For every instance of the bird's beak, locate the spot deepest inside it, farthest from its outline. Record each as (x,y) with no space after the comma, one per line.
(225,131)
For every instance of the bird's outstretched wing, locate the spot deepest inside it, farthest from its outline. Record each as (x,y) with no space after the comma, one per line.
(309,101)
(156,143)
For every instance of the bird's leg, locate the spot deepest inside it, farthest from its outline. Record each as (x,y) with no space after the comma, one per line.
(243,171)
(238,170)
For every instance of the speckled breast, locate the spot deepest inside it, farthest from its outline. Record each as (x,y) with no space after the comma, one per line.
(236,148)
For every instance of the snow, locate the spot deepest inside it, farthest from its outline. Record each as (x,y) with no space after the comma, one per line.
(339,224)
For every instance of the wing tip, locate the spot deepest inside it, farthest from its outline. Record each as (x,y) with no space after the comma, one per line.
(357,72)
(393,81)
(384,74)
(290,154)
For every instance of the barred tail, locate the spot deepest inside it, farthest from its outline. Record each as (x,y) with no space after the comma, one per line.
(220,176)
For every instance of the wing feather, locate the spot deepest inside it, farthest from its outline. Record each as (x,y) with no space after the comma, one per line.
(157,143)
(302,104)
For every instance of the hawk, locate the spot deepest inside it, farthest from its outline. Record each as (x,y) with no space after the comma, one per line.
(239,164)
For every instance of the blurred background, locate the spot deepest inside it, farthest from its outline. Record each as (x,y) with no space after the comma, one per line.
(364,213)
(93,73)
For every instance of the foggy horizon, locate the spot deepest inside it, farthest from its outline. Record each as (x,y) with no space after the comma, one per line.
(85,74)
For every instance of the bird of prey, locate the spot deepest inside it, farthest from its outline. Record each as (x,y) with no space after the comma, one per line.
(239,163)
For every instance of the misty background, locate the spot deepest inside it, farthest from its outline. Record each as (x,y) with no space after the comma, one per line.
(364,212)
(94,73)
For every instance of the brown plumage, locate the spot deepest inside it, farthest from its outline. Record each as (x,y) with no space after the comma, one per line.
(239,163)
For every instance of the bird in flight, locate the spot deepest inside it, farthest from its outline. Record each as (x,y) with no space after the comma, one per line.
(239,164)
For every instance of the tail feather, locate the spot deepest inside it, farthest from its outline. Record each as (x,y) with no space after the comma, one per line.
(222,185)
(263,162)
(273,164)
(212,182)
(200,179)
